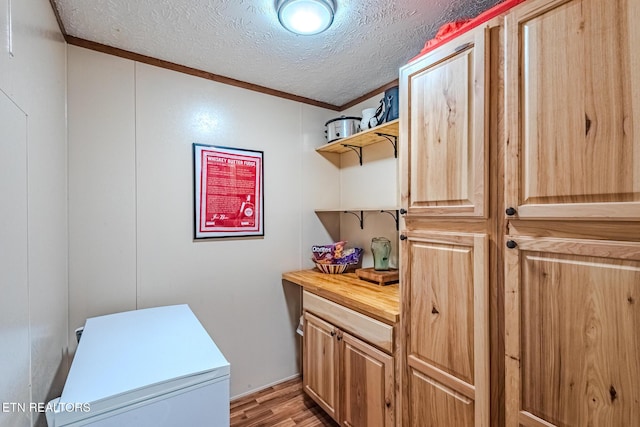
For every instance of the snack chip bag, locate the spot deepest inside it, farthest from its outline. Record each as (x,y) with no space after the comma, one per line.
(349,256)
(326,254)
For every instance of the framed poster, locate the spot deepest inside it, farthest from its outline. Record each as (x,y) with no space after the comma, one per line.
(229,192)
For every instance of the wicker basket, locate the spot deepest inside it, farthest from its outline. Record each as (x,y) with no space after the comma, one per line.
(332,268)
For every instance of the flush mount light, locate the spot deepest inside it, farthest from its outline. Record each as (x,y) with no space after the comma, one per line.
(306,17)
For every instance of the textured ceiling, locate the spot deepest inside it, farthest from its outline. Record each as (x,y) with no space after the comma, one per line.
(242,39)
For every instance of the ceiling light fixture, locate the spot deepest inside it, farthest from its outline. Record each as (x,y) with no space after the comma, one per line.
(306,17)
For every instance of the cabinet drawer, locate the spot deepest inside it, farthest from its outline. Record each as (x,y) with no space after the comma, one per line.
(371,330)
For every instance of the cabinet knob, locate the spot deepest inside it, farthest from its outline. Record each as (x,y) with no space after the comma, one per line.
(403,237)
(387,402)
(511,244)
(510,211)
(333,333)
(403,211)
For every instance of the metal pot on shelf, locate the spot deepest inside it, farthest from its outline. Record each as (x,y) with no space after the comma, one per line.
(342,127)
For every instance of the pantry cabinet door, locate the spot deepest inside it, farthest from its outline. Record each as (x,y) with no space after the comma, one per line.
(573,108)
(320,364)
(572,316)
(368,388)
(443,129)
(446,324)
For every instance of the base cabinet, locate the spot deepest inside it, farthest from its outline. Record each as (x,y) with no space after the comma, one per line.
(368,384)
(350,379)
(320,378)
(445,322)
(573,347)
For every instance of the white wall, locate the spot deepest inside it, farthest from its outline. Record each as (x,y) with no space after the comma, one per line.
(33,316)
(373,185)
(102,193)
(131,130)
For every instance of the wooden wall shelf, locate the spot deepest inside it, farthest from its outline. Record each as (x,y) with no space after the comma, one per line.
(384,132)
(359,213)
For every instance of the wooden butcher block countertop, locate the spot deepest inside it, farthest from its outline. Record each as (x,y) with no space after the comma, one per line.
(379,302)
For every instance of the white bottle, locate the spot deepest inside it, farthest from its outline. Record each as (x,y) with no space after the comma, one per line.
(246,212)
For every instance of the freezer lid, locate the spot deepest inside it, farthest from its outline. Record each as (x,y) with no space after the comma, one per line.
(130,356)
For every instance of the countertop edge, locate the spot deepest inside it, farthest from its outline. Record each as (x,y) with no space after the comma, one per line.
(311,284)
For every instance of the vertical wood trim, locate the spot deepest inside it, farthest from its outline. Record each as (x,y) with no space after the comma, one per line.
(633,13)
(512,111)
(481,330)
(497,224)
(512,336)
(398,356)
(338,375)
(404,139)
(480,121)
(405,321)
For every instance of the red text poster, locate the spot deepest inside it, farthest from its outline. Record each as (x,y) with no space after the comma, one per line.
(229,199)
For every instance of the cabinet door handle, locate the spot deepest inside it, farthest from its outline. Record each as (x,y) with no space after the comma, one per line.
(510,211)
(333,333)
(403,211)
(463,47)
(403,237)
(511,244)
(387,402)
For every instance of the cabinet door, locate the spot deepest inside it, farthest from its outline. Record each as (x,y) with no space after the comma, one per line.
(443,129)
(573,102)
(320,365)
(368,385)
(572,333)
(446,326)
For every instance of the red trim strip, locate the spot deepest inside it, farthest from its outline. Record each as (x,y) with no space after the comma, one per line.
(485,16)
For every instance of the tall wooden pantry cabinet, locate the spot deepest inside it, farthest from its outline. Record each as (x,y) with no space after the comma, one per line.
(445,248)
(573,191)
(520,253)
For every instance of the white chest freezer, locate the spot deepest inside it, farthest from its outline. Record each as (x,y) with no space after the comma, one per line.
(153,367)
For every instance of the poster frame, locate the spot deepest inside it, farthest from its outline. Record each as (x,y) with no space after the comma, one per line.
(202,231)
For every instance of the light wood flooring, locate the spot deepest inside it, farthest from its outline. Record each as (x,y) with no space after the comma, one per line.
(282,405)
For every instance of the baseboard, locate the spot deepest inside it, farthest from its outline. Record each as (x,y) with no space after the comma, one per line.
(284,380)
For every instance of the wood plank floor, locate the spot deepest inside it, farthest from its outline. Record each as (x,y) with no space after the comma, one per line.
(282,405)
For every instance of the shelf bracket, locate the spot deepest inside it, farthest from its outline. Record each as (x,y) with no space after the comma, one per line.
(393,140)
(356,149)
(360,218)
(396,217)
